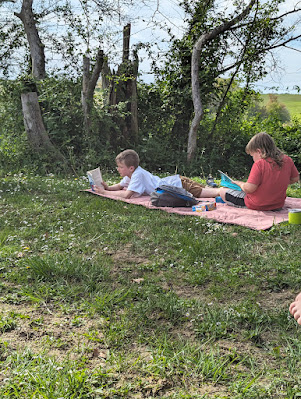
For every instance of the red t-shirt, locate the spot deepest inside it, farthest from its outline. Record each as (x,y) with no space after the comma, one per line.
(272,182)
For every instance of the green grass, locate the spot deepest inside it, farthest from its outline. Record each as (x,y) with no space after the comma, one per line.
(100,299)
(291,101)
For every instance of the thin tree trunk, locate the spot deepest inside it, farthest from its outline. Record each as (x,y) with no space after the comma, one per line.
(126,42)
(36,47)
(134,98)
(122,87)
(86,101)
(195,85)
(90,79)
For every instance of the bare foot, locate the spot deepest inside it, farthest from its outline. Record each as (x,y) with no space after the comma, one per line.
(295,308)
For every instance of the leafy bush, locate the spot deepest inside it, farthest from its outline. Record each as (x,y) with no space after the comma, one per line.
(164,119)
(288,138)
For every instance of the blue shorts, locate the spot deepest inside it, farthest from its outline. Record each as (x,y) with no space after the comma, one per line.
(235,198)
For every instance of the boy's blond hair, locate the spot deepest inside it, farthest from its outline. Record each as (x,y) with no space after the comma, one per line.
(267,146)
(129,158)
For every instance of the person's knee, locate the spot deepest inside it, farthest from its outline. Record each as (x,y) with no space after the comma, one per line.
(223,191)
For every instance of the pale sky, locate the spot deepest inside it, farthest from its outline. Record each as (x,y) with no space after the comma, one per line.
(148,24)
(284,79)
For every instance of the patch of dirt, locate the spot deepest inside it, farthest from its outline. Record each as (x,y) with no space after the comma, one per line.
(60,335)
(142,351)
(267,300)
(190,292)
(244,349)
(186,331)
(126,256)
(272,300)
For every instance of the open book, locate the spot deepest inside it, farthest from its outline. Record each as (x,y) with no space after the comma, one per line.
(95,177)
(226,181)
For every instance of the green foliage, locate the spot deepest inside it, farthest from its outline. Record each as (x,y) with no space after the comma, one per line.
(222,138)
(59,98)
(288,138)
(60,102)
(161,126)
(220,145)
(14,148)
(275,119)
(291,101)
(277,110)
(165,107)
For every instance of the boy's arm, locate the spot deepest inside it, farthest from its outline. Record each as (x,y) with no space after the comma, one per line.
(246,187)
(120,193)
(114,187)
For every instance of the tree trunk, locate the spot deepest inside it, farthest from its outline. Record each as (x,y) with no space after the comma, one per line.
(86,101)
(34,126)
(33,121)
(126,43)
(36,47)
(90,79)
(122,87)
(134,98)
(195,82)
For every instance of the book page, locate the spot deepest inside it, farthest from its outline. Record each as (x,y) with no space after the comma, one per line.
(95,177)
(226,181)
(226,176)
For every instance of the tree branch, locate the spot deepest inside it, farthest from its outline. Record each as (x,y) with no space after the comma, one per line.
(195,83)
(96,70)
(294,11)
(36,46)
(262,50)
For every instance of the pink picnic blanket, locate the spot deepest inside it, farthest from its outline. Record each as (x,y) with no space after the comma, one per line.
(256,220)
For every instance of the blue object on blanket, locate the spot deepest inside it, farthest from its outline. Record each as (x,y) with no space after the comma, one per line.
(219,200)
(227,182)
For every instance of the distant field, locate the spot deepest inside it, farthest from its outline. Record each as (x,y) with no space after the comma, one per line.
(291,101)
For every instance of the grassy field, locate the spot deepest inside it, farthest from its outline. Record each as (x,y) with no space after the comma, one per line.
(291,101)
(100,299)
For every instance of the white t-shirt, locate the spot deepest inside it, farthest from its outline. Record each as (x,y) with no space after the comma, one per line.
(143,182)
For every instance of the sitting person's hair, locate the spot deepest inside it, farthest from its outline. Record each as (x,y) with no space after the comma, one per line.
(266,144)
(129,158)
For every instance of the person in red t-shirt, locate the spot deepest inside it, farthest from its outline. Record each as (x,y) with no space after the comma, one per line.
(269,178)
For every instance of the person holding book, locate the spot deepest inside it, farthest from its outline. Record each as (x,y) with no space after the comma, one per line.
(295,308)
(137,181)
(271,174)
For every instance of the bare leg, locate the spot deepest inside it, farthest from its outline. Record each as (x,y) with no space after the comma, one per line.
(223,191)
(208,192)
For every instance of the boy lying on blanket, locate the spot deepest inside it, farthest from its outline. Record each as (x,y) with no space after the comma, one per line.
(137,181)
